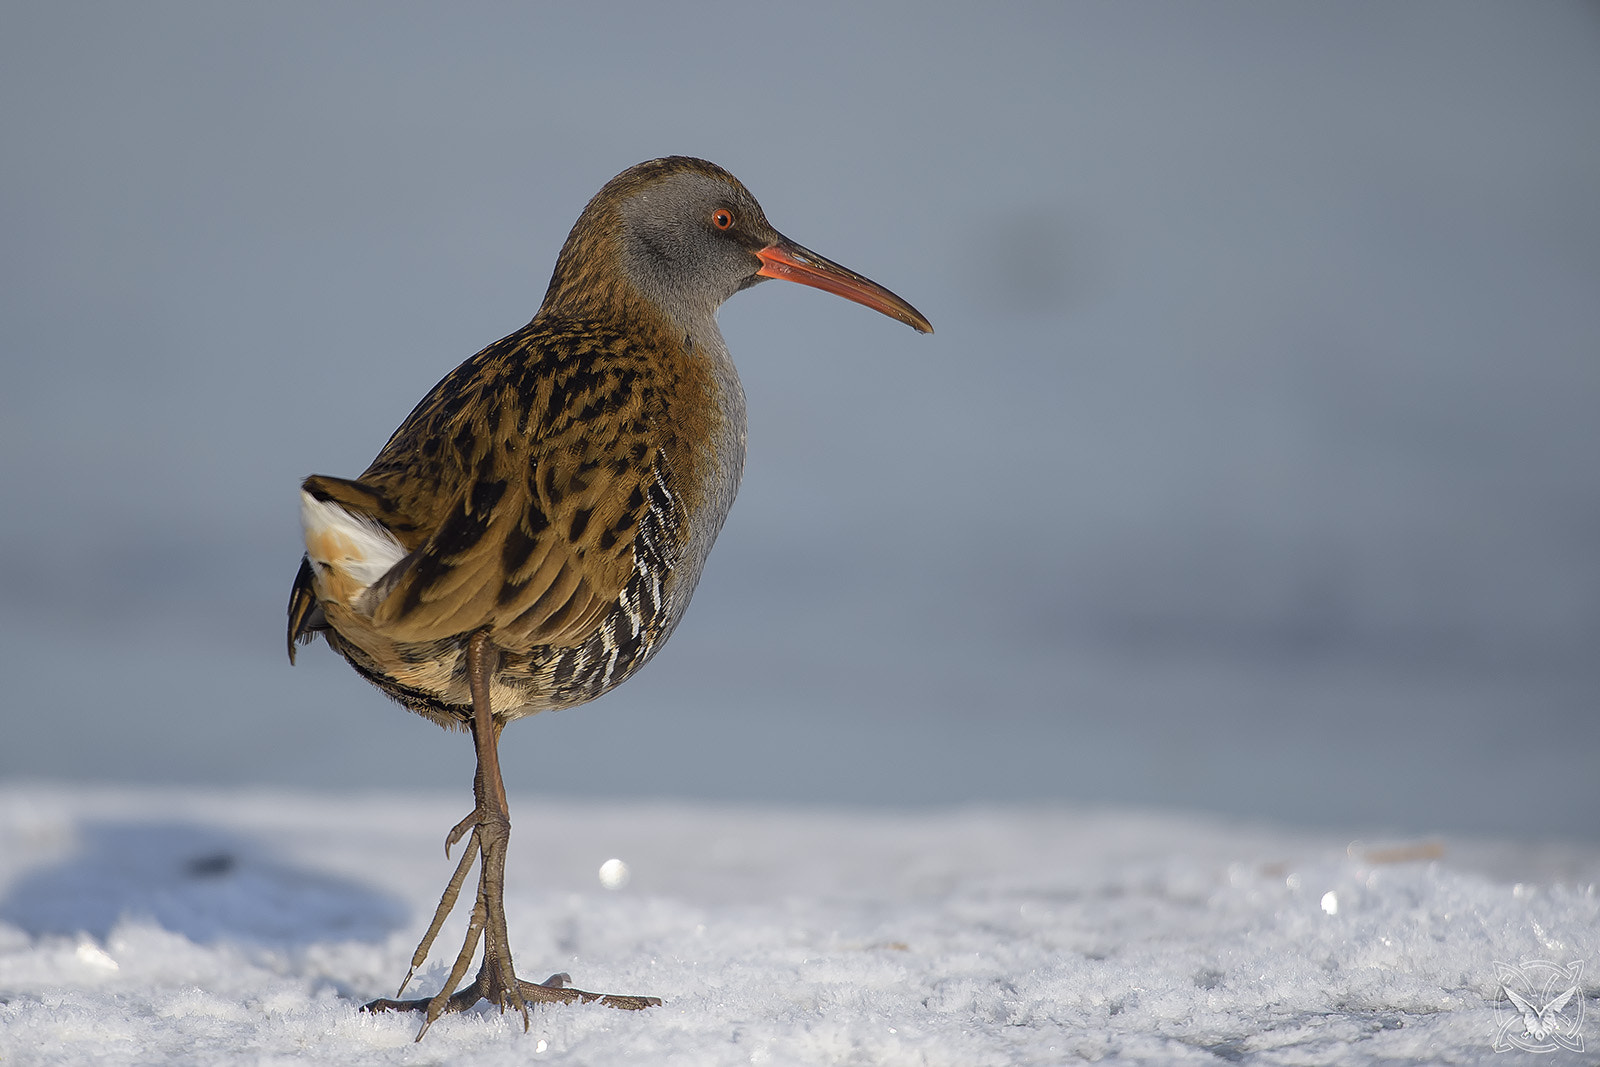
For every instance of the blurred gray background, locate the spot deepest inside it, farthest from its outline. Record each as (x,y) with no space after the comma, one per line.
(1254,467)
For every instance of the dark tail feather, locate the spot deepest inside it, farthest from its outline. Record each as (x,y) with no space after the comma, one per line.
(305,614)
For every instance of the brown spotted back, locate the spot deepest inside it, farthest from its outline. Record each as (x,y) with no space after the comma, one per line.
(531,501)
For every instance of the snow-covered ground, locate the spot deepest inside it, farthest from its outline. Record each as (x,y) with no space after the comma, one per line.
(152,926)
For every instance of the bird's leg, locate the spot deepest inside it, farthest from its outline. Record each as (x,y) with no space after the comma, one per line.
(497,979)
(490,826)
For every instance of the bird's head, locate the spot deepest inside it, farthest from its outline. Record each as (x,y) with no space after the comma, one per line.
(684,235)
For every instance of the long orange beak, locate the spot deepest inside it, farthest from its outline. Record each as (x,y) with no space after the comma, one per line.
(789,261)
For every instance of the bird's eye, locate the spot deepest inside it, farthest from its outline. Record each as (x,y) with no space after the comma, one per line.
(722,218)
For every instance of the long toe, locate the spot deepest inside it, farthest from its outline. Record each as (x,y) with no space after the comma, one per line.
(556,990)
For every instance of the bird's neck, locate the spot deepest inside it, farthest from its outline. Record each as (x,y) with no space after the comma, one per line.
(598,278)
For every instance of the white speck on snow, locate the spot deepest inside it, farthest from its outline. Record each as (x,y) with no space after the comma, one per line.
(164,926)
(614,874)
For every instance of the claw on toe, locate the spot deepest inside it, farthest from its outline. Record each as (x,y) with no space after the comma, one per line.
(459,830)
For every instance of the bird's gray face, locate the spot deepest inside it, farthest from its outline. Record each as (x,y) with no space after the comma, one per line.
(691,240)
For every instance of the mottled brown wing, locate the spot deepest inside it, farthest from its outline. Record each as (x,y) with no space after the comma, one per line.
(522,477)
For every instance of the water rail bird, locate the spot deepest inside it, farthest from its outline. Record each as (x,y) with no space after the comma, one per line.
(532,533)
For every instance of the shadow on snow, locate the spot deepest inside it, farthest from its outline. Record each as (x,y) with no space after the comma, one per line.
(198,881)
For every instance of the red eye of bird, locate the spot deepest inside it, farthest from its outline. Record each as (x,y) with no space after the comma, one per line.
(722,218)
